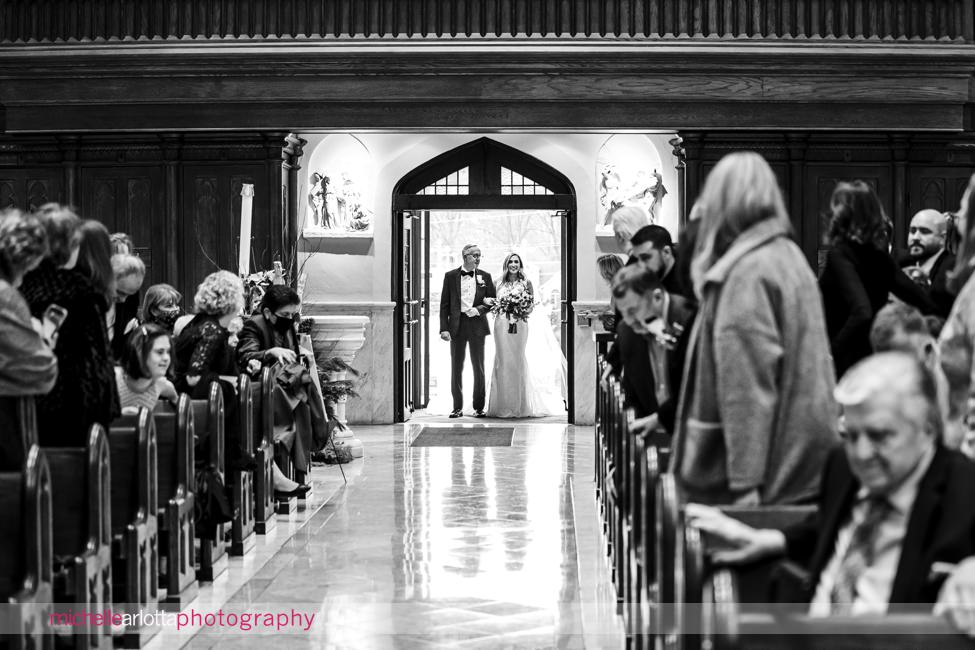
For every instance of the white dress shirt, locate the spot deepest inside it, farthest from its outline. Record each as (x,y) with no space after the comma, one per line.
(874,585)
(468,286)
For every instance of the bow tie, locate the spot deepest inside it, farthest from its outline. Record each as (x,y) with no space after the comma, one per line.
(469,274)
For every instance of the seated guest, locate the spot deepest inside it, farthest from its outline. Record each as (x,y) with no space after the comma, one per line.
(143,376)
(160,306)
(204,354)
(85,391)
(894,515)
(269,339)
(130,272)
(927,261)
(27,362)
(664,320)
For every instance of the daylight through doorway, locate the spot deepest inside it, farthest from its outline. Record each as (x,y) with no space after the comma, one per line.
(535,235)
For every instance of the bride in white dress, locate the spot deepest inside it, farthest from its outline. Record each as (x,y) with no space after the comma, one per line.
(514,394)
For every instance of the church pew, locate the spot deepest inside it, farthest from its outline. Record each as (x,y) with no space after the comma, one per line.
(242,537)
(653,465)
(208,419)
(135,528)
(177,501)
(730,626)
(612,519)
(18,417)
(264,519)
(25,553)
(598,426)
(82,540)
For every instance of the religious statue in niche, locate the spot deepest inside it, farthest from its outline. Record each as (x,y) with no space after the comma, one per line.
(625,187)
(336,204)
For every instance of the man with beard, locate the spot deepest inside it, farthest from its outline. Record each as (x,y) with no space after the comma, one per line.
(927,262)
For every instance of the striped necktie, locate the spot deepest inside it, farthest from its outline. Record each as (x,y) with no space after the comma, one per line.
(859,555)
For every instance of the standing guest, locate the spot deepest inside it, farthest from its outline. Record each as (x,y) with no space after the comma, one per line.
(130,272)
(143,374)
(928,261)
(27,363)
(85,391)
(653,247)
(860,273)
(121,244)
(204,354)
(608,266)
(161,306)
(957,341)
(756,417)
(627,220)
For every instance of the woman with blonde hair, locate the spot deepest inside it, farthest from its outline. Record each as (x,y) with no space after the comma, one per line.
(756,415)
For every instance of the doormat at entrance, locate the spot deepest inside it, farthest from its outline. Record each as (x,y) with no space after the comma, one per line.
(464,437)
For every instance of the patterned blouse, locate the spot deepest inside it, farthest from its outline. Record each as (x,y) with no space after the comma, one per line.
(131,398)
(202,350)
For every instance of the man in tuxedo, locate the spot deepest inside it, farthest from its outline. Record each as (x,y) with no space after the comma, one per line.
(467,296)
(894,525)
(926,261)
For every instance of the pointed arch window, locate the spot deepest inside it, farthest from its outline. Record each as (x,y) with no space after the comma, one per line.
(453,184)
(514,183)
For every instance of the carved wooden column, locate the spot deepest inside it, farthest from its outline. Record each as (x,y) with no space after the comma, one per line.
(680,154)
(693,147)
(170,146)
(69,160)
(290,157)
(796,145)
(900,145)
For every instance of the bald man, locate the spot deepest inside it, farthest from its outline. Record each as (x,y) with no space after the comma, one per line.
(927,261)
(895,527)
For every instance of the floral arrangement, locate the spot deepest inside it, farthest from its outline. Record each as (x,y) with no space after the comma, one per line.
(516,304)
(256,284)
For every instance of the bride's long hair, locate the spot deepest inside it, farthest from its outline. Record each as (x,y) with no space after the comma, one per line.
(504,268)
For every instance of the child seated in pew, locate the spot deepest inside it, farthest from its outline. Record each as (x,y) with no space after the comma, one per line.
(143,376)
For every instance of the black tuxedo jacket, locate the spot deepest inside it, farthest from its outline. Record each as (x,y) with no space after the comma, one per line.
(942,298)
(450,313)
(940,528)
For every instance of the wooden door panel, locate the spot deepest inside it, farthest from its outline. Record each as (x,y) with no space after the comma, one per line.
(940,188)
(28,189)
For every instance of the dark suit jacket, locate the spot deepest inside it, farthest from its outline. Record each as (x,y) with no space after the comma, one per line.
(941,526)
(682,312)
(256,338)
(450,313)
(942,298)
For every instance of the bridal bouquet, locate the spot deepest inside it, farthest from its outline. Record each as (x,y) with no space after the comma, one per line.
(516,305)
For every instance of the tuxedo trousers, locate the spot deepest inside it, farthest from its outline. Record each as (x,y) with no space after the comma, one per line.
(466,337)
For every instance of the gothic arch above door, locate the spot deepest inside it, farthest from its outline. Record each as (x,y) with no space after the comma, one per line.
(484,174)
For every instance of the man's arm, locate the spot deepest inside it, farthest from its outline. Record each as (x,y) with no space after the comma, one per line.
(445,304)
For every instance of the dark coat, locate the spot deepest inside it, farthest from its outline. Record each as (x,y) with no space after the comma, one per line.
(85,391)
(855,284)
(938,291)
(682,312)
(450,314)
(256,338)
(941,526)
(203,349)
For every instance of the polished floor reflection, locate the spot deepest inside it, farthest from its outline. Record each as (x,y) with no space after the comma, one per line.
(437,547)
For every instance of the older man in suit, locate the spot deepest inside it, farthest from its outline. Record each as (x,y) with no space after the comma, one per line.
(895,517)
(467,296)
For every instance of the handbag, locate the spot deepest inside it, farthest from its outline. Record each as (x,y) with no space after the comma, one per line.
(212,505)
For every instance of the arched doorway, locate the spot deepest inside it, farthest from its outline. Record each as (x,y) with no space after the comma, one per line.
(481,175)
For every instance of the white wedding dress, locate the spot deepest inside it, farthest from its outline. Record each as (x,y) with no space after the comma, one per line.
(517,383)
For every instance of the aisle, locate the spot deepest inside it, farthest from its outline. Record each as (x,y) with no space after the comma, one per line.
(437,547)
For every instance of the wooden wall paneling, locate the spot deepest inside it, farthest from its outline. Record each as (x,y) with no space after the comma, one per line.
(940,188)
(28,189)
(201,215)
(130,199)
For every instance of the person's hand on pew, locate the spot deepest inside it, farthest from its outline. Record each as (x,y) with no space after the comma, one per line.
(280,355)
(645,426)
(732,541)
(956,602)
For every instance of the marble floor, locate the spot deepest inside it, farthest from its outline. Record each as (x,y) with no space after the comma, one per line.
(430,547)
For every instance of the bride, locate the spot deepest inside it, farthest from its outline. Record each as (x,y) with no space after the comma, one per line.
(514,394)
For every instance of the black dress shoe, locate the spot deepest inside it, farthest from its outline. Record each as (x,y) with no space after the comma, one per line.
(299,492)
(479,414)
(456,414)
